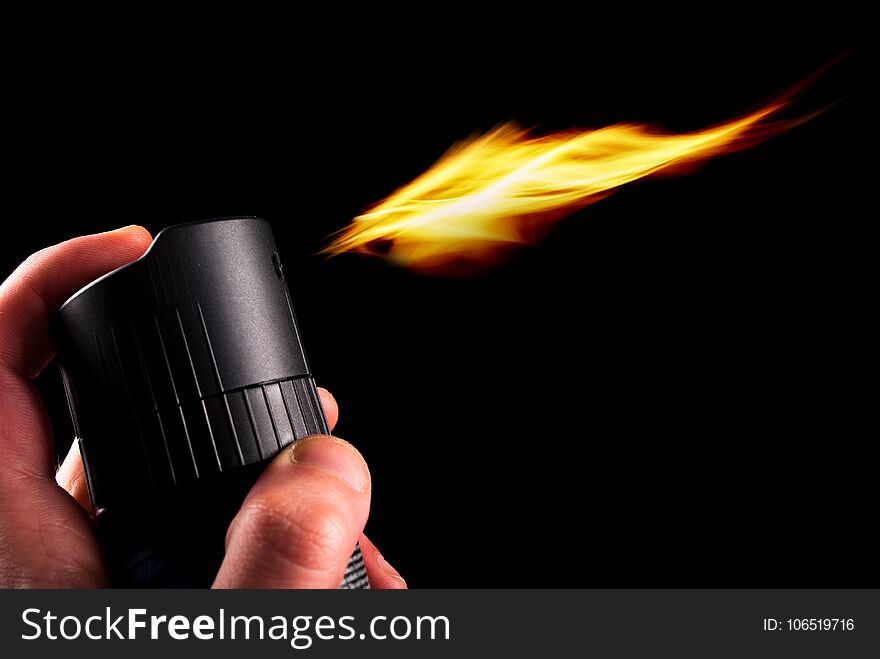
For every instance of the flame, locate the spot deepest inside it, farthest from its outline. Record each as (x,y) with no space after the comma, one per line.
(504,188)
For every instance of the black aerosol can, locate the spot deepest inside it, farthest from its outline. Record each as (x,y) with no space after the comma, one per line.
(185,374)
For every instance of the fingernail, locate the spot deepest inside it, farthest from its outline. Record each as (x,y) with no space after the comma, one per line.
(336,456)
(127,228)
(385,566)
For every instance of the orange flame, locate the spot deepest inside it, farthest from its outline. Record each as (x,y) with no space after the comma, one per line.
(504,188)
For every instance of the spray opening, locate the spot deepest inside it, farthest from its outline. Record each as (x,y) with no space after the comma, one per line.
(276,263)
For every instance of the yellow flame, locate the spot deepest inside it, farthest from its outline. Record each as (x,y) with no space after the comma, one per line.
(502,188)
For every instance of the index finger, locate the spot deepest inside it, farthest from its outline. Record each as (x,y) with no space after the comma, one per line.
(28,298)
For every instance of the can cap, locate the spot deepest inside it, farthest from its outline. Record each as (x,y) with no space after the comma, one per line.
(186,363)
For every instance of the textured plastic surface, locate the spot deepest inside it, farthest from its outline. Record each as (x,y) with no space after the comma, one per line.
(185,372)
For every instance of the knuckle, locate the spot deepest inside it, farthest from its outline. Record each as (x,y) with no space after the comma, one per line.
(308,535)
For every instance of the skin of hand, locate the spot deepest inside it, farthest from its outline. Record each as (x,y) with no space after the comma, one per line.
(296,528)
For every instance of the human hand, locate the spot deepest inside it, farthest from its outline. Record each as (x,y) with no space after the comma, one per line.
(296,528)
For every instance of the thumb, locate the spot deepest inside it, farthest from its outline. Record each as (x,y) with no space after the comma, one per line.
(300,522)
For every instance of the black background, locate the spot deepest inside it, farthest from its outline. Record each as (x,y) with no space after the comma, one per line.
(670,390)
